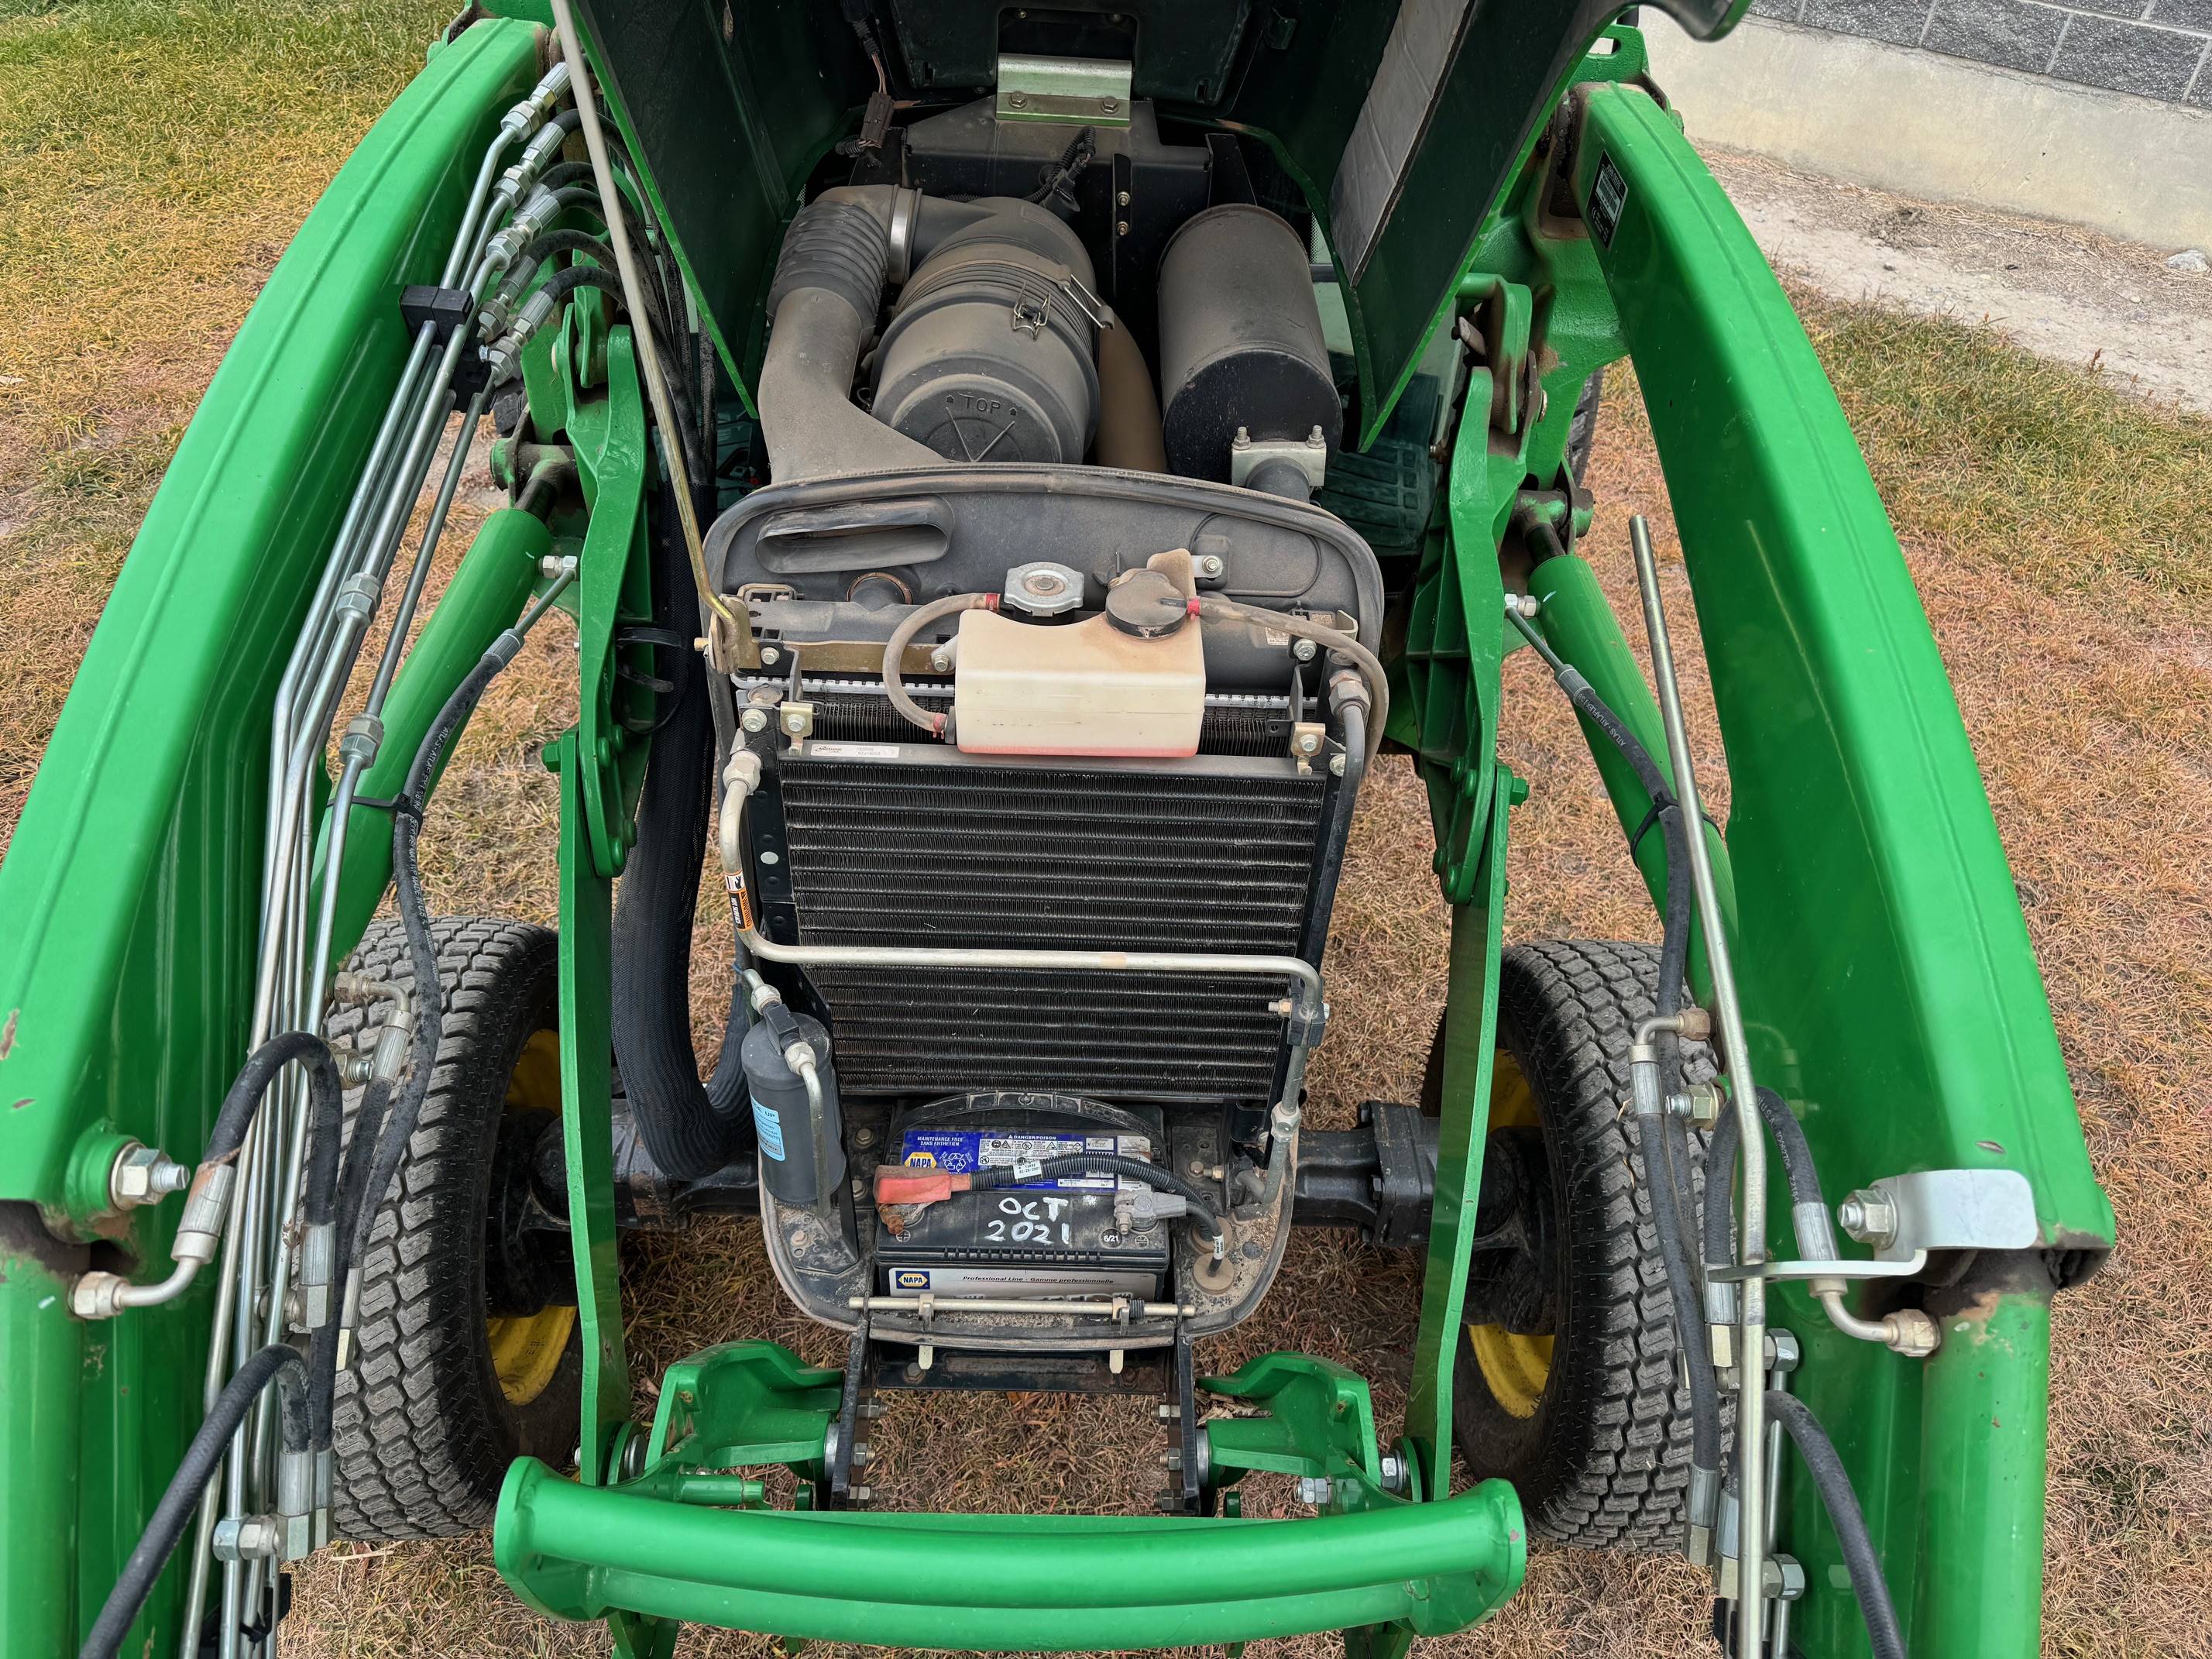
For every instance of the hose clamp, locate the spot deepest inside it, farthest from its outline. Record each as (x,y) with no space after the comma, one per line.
(906,210)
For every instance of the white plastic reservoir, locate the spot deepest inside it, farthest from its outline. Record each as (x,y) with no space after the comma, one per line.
(1084,687)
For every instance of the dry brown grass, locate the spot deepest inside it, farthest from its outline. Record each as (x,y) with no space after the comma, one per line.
(2059,537)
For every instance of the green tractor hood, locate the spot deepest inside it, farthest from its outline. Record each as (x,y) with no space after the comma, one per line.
(1402,124)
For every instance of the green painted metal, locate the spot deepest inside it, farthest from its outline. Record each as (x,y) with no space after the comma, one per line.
(1984,1437)
(655,1544)
(1470,1042)
(612,585)
(991,1584)
(40,1348)
(1315,1418)
(739,1406)
(1888,983)
(1858,823)
(1578,622)
(493,578)
(131,887)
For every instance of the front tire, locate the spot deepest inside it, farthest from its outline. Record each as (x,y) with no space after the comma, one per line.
(441,1392)
(1569,1388)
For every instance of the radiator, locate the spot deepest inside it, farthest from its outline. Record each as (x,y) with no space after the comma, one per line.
(914,844)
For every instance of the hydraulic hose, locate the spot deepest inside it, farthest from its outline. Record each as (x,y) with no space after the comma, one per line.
(1674,1216)
(562,284)
(415,917)
(398,1127)
(200,1462)
(656,384)
(937,723)
(1334,639)
(691,1132)
(1084,1164)
(1814,1240)
(1834,1484)
(325,1124)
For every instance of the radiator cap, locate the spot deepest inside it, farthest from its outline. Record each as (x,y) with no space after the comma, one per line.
(1044,589)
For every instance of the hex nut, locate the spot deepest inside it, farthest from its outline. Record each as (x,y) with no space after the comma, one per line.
(143,1175)
(1868,1217)
(1913,1333)
(754,720)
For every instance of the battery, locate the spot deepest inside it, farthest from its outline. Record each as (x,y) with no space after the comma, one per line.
(1042,1237)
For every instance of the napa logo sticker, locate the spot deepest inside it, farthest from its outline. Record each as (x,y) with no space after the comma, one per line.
(921,1160)
(909,1279)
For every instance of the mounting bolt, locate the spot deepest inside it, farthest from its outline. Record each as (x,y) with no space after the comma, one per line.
(1868,1217)
(1121,198)
(864,1136)
(1165,1412)
(1304,650)
(1211,566)
(1108,106)
(144,1175)
(770,656)
(1017,100)
(863,1454)
(754,720)
(1313,1489)
(940,660)
(1393,1471)
(1699,1103)
(1336,766)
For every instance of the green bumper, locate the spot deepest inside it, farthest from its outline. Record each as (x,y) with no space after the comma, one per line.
(1000,1583)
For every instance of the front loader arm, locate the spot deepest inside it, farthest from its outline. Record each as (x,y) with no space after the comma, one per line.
(1889,986)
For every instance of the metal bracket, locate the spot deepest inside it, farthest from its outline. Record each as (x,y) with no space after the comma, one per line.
(1943,1210)
(1310,454)
(1773,1272)
(1068,91)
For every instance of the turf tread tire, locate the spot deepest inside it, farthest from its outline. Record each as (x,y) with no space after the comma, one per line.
(422,1434)
(1582,429)
(1604,1462)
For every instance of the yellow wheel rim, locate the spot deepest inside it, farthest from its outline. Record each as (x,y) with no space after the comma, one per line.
(526,1348)
(1515,1367)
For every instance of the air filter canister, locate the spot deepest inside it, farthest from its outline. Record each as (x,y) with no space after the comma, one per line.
(1241,341)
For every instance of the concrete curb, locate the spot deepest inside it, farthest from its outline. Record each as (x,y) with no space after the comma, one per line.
(1945,128)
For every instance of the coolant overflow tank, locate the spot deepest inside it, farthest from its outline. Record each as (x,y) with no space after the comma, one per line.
(1087,688)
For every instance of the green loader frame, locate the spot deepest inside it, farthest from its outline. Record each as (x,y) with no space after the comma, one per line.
(1857,833)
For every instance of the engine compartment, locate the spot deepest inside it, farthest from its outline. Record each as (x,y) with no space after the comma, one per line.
(1046,727)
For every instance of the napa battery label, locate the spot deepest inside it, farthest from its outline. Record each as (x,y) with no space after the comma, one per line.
(963,1152)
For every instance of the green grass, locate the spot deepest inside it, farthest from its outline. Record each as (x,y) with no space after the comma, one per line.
(1996,454)
(153,161)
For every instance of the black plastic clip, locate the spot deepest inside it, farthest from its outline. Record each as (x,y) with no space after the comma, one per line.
(445,309)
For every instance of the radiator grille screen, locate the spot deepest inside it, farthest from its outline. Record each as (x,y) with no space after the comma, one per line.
(1218,859)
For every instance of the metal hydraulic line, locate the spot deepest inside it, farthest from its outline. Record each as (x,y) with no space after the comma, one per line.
(1751,1306)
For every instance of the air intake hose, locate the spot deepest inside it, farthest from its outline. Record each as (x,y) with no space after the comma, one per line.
(691,1132)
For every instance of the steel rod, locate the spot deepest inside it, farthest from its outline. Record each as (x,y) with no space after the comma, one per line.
(1751,1304)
